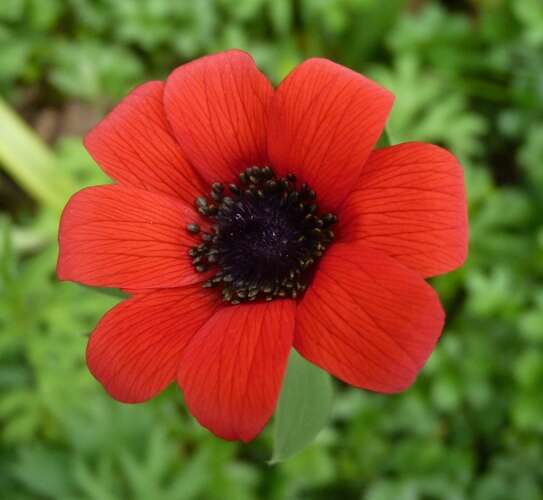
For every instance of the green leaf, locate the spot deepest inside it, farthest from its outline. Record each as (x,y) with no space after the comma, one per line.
(384,141)
(110,292)
(30,162)
(429,108)
(303,409)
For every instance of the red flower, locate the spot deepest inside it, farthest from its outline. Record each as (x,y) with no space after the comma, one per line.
(367,316)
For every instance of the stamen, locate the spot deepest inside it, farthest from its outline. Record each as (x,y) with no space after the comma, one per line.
(265,235)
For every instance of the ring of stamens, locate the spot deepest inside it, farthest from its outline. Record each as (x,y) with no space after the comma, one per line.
(265,236)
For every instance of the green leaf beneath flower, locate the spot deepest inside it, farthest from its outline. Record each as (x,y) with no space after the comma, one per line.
(303,409)
(111,292)
(384,141)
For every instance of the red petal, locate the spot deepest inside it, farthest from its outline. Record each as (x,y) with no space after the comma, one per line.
(134,145)
(324,122)
(119,237)
(367,319)
(411,204)
(232,371)
(218,106)
(134,351)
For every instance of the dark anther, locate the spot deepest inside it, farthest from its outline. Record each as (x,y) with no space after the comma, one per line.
(265,236)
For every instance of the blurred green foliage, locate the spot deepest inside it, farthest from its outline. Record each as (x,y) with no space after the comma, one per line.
(468,75)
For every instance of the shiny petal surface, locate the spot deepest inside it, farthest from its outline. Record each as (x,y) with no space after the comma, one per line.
(218,108)
(134,351)
(232,371)
(367,319)
(134,145)
(411,204)
(324,122)
(113,236)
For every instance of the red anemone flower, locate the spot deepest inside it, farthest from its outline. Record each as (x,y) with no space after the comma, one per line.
(308,237)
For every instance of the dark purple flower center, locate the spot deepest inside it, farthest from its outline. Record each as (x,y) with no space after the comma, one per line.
(265,237)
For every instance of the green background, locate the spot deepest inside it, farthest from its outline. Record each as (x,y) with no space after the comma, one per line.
(467,75)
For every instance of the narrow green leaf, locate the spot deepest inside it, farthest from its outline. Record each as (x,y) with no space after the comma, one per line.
(6,250)
(303,409)
(110,292)
(30,162)
(384,141)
